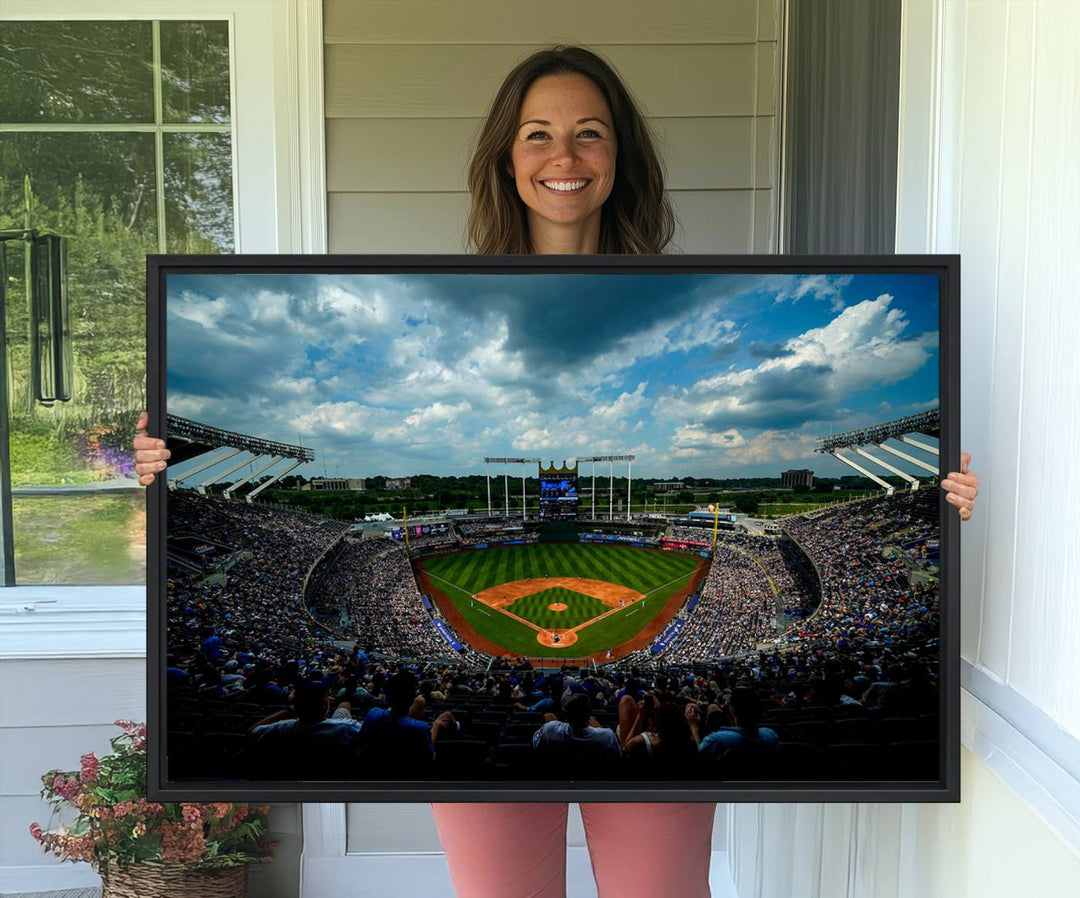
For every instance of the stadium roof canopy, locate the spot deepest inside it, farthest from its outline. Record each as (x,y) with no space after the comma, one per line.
(187,439)
(928,423)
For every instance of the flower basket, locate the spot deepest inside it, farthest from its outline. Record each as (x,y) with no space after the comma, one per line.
(173,881)
(146,849)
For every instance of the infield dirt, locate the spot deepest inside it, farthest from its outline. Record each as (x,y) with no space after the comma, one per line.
(609,593)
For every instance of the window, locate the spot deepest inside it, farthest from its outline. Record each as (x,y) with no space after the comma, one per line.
(118,136)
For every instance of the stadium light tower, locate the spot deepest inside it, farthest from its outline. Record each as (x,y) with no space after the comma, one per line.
(506,480)
(611,481)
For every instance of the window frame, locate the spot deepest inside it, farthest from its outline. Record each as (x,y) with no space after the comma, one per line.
(279,205)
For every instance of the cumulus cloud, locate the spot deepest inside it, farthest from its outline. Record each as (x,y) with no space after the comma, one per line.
(816,286)
(395,374)
(860,349)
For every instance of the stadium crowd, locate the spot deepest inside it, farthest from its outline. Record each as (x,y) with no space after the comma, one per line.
(252,676)
(866,589)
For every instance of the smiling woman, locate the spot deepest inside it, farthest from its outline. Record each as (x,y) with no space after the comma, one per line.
(560,118)
(563,162)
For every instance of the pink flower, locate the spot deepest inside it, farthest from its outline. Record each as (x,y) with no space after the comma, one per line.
(149,808)
(181,842)
(192,813)
(65,788)
(36,832)
(89,768)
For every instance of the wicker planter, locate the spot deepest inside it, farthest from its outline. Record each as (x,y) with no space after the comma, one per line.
(174,881)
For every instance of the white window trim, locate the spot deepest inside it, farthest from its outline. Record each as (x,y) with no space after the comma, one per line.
(280,206)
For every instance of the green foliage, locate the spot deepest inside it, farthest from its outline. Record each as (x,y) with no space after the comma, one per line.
(116,824)
(747,503)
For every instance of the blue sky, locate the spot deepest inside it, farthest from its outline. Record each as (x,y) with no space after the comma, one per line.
(696,375)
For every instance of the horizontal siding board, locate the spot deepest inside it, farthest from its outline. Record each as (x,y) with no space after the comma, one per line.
(28,752)
(768,27)
(765,151)
(765,221)
(90,691)
(397,222)
(391,154)
(387,154)
(709,221)
(375,81)
(768,78)
(706,153)
(557,21)
(713,221)
(17,846)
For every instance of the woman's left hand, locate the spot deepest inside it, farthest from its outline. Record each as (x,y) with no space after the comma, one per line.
(962,487)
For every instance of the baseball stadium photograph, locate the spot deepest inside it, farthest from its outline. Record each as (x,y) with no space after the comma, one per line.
(561,527)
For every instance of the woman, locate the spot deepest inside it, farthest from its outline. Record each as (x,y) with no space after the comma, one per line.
(565,164)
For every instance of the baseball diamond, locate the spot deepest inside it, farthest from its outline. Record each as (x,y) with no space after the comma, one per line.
(543,600)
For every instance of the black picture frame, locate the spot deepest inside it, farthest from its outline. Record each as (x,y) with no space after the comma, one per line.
(945,789)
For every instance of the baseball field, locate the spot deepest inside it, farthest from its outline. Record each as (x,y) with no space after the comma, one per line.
(569,600)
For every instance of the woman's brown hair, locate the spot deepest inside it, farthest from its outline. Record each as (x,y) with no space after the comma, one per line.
(637,216)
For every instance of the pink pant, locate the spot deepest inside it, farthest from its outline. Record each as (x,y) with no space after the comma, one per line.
(519,850)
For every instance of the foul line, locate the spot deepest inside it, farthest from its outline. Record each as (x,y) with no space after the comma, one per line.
(633,609)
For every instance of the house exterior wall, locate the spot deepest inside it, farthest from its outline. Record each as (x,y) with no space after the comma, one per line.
(407,85)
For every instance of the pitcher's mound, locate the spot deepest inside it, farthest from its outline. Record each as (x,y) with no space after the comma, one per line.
(558,606)
(566,637)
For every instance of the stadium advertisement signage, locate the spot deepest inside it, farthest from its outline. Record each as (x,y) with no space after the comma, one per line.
(684,544)
(811,654)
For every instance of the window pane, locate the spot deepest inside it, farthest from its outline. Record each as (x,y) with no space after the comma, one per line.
(77,517)
(82,539)
(76,72)
(98,191)
(195,71)
(198,193)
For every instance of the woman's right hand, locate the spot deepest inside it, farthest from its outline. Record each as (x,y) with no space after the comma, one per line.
(150,453)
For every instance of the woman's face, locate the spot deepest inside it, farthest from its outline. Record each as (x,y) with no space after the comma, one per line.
(563,154)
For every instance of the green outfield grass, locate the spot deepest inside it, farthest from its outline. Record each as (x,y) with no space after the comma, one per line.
(580,608)
(655,574)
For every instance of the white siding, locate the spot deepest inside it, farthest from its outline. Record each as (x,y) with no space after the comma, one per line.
(1009,202)
(408,82)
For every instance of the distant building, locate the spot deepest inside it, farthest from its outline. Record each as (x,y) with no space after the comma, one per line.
(340,484)
(398,483)
(791,479)
(669,486)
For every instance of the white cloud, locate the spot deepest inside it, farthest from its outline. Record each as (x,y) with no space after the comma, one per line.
(816,286)
(624,406)
(771,446)
(695,435)
(861,348)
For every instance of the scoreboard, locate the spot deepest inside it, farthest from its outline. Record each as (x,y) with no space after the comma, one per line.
(558,492)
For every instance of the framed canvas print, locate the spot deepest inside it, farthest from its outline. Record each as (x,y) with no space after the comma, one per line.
(554,528)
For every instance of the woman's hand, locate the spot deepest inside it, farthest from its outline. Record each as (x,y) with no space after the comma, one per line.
(962,487)
(150,453)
